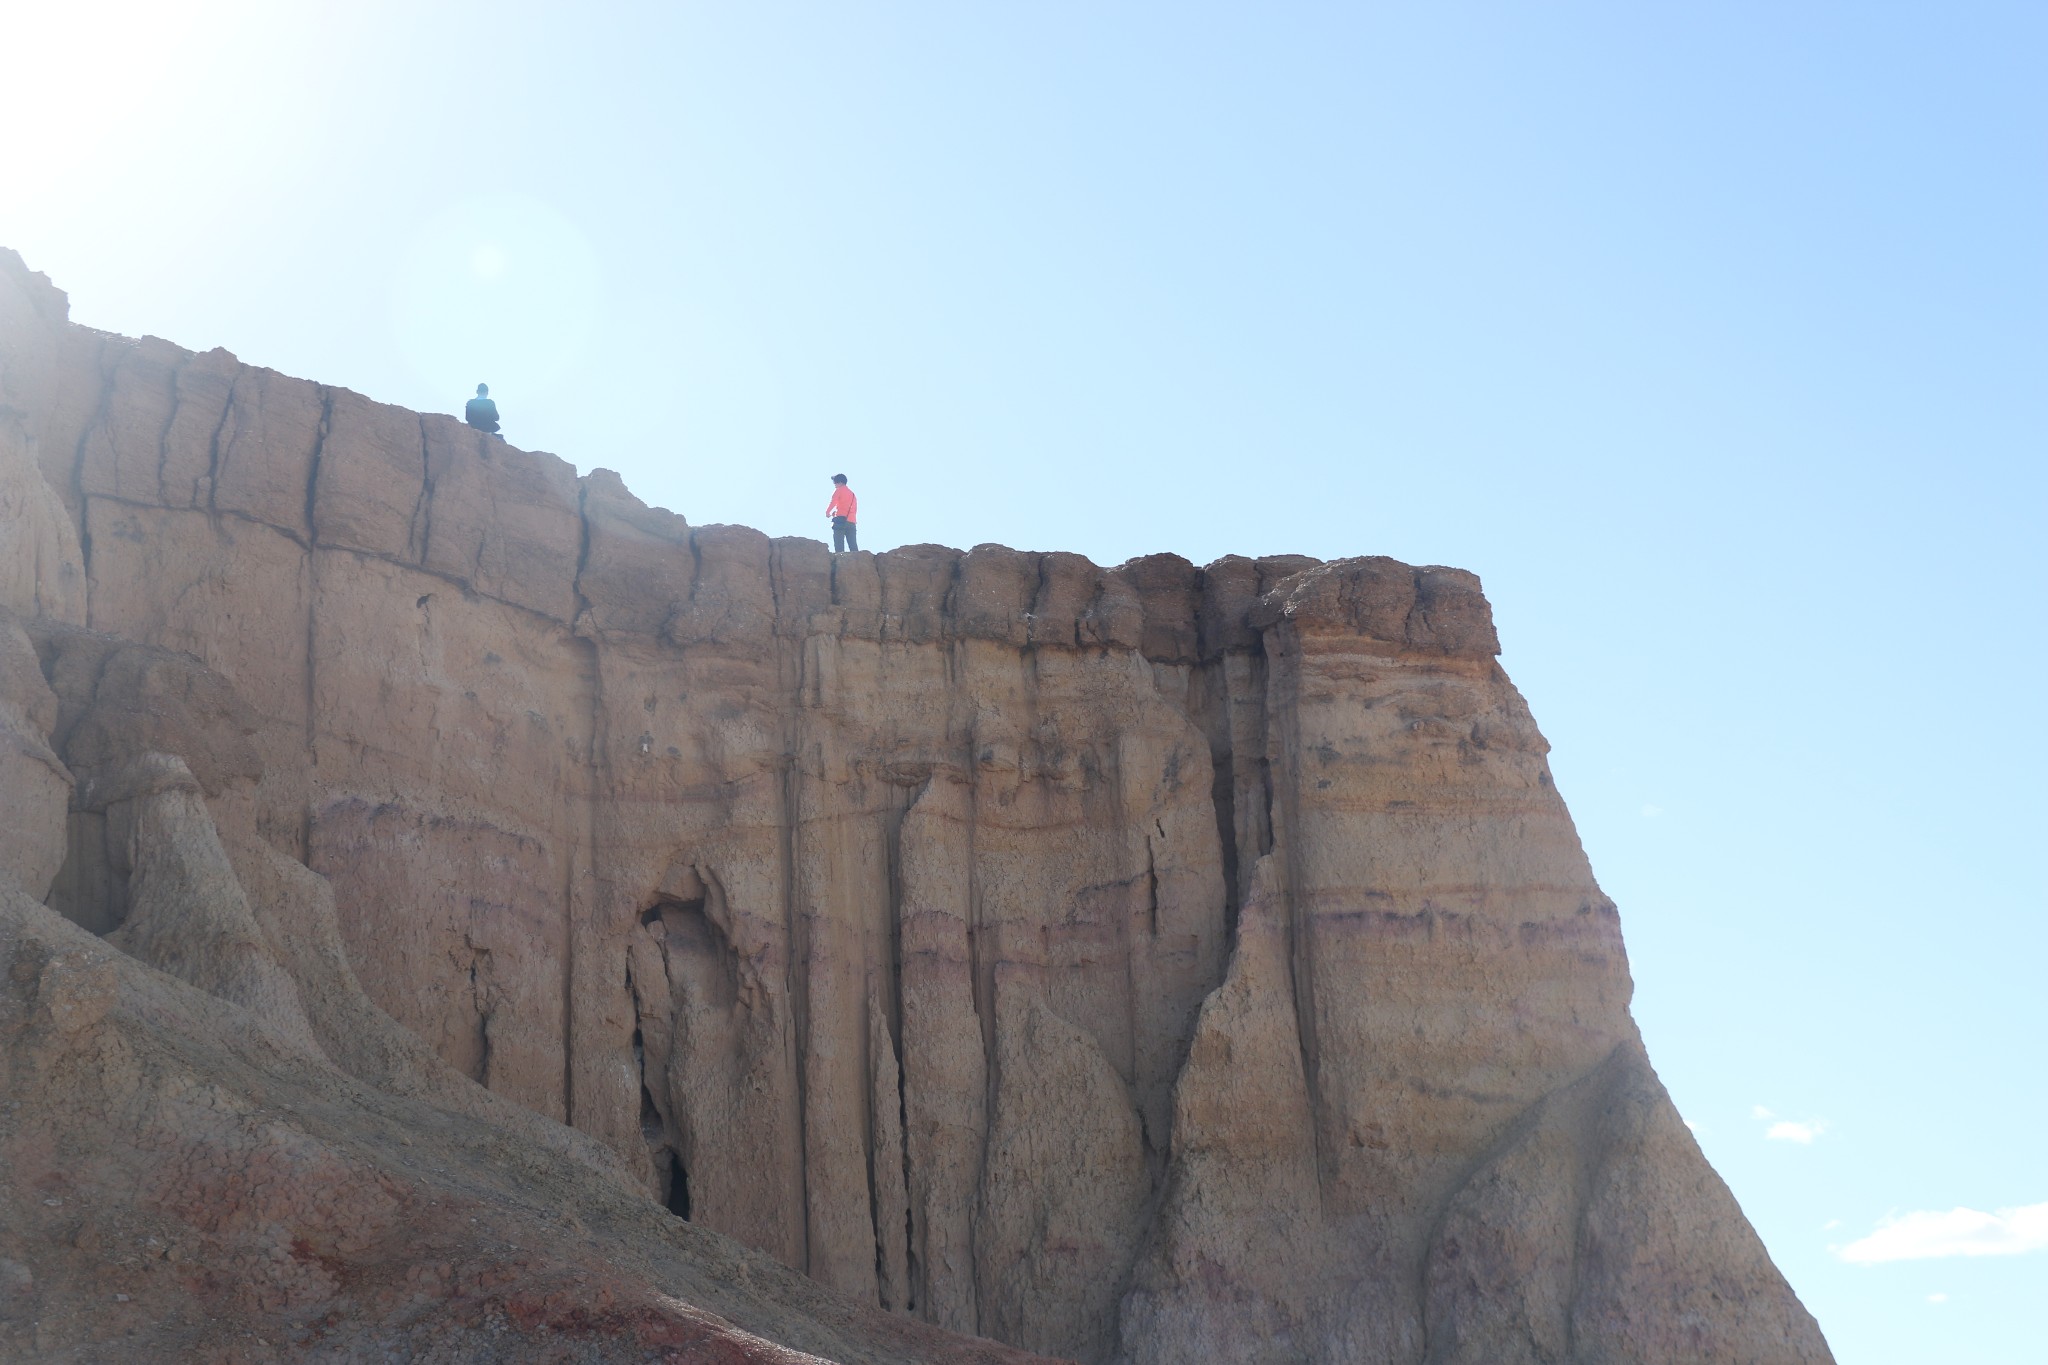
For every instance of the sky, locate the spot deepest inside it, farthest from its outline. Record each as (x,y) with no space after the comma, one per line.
(1713,337)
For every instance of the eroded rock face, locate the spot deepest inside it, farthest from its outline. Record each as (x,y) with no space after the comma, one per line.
(35,786)
(177,1185)
(1152,963)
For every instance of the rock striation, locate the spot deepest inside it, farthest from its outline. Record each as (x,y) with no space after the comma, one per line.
(1140,964)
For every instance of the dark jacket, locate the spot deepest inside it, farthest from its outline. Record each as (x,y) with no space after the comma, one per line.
(481,413)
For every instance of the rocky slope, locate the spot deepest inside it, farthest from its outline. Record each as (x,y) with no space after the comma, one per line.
(1143,964)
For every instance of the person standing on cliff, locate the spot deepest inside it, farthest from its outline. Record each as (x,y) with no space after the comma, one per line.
(481,412)
(841,509)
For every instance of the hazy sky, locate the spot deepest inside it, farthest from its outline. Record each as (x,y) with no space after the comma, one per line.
(1713,336)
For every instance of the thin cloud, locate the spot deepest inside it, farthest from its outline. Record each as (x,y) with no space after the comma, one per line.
(1784,1130)
(1927,1235)
(1789,1130)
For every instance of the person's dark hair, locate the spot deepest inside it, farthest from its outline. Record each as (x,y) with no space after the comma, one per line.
(482,389)
(839,478)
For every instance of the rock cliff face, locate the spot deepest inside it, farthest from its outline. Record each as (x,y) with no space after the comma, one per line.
(1143,964)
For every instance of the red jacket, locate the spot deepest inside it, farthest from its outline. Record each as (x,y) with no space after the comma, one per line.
(842,504)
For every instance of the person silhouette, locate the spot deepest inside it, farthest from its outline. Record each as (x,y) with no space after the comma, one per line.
(481,412)
(841,510)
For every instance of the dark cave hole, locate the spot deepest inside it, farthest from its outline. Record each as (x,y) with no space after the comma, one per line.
(669,914)
(678,1182)
(675,1181)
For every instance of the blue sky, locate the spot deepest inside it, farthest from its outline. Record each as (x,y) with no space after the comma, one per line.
(1712,336)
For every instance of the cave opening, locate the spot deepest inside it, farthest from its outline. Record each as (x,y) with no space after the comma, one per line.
(694,948)
(676,1188)
(675,1180)
(700,974)
(652,1127)
(670,915)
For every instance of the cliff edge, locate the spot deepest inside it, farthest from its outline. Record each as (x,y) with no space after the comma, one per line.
(1142,964)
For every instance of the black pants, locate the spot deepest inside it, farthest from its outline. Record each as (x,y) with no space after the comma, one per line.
(843,537)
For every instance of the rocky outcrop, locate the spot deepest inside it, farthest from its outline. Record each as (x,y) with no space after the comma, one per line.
(35,786)
(176,1184)
(1145,963)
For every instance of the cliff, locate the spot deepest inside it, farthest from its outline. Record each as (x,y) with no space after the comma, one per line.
(1150,964)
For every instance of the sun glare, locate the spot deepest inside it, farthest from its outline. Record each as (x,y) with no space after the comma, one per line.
(90,71)
(490,261)
(502,282)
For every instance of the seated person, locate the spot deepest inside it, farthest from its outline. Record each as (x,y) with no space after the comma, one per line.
(481,412)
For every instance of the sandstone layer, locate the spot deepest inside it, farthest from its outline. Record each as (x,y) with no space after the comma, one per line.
(1151,963)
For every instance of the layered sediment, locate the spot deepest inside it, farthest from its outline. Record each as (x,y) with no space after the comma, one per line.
(1148,963)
